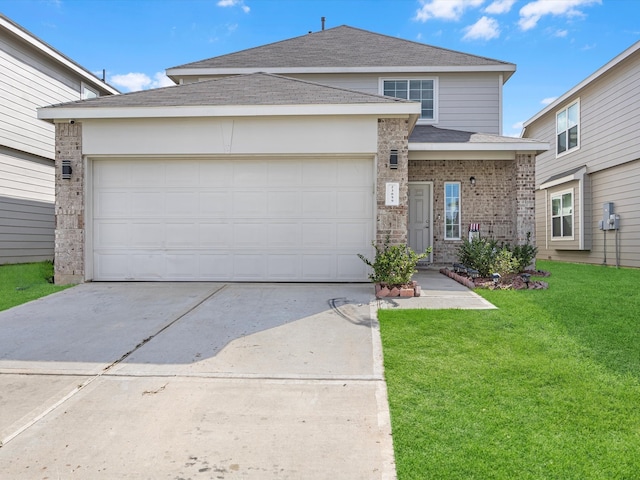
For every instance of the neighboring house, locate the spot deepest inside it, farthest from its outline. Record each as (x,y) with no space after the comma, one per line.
(32,75)
(282,162)
(594,163)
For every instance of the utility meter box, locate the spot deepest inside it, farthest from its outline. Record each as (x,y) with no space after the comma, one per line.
(607,213)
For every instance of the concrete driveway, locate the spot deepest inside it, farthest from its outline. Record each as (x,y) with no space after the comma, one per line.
(194,380)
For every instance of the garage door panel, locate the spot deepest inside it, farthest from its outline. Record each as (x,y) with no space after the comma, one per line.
(147,204)
(216,235)
(221,220)
(111,203)
(283,235)
(182,203)
(146,235)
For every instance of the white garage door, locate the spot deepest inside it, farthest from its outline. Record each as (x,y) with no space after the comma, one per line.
(238,220)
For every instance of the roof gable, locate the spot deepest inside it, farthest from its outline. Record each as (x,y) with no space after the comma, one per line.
(345,48)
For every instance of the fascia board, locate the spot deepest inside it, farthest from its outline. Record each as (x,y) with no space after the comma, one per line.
(568,178)
(57,56)
(403,109)
(537,147)
(203,72)
(594,76)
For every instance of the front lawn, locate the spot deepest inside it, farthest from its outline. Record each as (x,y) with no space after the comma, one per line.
(25,282)
(546,387)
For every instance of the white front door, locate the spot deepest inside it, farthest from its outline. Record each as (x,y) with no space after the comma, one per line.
(420,222)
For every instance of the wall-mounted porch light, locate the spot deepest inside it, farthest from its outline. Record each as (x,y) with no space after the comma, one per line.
(393,159)
(66,169)
(472,181)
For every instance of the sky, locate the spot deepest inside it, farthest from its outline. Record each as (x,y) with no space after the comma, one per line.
(554,43)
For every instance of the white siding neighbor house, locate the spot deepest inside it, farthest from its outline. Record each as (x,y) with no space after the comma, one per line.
(587,195)
(32,75)
(284,161)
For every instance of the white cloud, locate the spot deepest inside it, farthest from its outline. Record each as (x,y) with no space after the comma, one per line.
(498,7)
(548,100)
(484,29)
(234,3)
(444,9)
(517,125)
(561,33)
(532,12)
(134,81)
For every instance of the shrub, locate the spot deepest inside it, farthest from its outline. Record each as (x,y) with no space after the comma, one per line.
(393,264)
(525,253)
(479,254)
(505,262)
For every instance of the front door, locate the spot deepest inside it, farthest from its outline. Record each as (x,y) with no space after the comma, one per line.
(420,225)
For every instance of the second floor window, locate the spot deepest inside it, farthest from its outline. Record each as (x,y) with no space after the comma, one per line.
(419,90)
(567,128)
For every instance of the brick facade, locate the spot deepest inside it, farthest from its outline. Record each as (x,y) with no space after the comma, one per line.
(501,201)
(69,208)
(393,133)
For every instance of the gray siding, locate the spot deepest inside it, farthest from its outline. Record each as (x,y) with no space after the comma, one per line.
(609,124)
(620,186)
(466,101)
(29,80)
(26,208)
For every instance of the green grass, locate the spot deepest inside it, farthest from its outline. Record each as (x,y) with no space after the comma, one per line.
(546,387)
(25,282)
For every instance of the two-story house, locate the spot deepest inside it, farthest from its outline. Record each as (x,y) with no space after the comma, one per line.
(284,161)
(32,75)
(587,196)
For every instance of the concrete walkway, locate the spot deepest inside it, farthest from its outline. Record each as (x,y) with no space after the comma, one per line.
(438,292)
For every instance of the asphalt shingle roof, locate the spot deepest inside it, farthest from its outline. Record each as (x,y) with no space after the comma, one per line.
(250,89)
(431,134)
(344,47)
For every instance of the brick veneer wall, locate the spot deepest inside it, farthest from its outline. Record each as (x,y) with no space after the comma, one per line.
(501,201)
(69,207)
(393,133)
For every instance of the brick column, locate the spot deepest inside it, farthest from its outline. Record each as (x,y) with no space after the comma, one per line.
(393,133)
(525,184)
(69,209)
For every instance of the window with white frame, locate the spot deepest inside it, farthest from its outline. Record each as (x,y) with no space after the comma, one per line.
(562,215)
(568,128)
(421,90)
(452,211)
(87,92)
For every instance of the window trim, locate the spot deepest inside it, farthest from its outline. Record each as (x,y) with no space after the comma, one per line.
(83,87)
(573,214)
(421,121)
(459,237)
(558,112)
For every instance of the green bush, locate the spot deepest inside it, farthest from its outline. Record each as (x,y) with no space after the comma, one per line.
(393,264)
(487,257)
(479,254)
(505,262)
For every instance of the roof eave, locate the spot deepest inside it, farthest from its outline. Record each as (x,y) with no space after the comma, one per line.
(591,78)
(537,147)
(51,52)
(176,73)
(396,109)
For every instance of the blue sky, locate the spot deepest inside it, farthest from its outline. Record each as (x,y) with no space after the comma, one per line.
(554,43)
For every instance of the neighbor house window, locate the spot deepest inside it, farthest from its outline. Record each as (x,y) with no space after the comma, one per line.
(419,90)
(452,210)
(568,128)
(87,93)
(562,215)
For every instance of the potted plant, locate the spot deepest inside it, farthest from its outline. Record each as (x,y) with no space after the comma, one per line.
(393,267)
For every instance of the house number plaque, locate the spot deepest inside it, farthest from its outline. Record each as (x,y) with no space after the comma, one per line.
(392,194)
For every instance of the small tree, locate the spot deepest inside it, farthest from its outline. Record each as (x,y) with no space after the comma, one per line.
(393,264)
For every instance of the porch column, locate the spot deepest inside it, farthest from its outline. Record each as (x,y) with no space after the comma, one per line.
(393,134)
(525,184)
(69,207)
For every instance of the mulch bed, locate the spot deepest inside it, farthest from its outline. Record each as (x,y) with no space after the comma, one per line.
(513,281)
